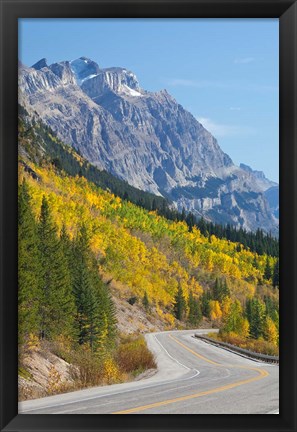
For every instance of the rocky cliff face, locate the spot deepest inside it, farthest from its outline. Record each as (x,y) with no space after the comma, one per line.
(262,181)
(268,187)
(145,138)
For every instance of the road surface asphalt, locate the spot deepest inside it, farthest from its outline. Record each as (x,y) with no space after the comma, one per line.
(193,377)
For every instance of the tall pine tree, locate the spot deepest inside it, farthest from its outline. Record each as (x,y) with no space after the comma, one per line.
(275,277)
(95,316)
(256,313)
(57,303)
(205,303)
(267,270)
(179,305)
(195,314)
(29,268)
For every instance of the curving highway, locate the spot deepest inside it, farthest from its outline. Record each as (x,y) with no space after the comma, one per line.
(193,377)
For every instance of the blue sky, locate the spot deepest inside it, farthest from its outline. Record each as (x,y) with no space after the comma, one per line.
(224,71)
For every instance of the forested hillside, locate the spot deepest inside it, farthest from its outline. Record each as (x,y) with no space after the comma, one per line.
(143,250)
(73,235)
(41,145)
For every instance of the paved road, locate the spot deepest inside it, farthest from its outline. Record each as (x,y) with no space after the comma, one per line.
(193,378)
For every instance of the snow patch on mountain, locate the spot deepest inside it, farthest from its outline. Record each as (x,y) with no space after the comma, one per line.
(88,77)
(130,92)
(83,69)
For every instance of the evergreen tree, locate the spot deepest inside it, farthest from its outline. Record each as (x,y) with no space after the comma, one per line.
(195,314)
(29,269)
(95,318)
(66,243)
(107,311)
(216,292)
(87,318)
(179,305)
(190,220)
(269,306)
(220,290)
(205,303)
(275,277)
(183,214)
(267,271)
(57,302)
(225,289)
(256,316)
(202,226)
(145,301)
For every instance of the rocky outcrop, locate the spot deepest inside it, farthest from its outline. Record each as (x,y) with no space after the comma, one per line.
(145,138)
(262,181)
(272,197)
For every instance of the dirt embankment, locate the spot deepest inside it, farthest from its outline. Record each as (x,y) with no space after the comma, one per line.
(42,373)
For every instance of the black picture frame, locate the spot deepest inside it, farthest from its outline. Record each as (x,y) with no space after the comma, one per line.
(286,11)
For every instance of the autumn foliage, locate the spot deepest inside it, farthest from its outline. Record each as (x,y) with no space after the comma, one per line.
(155,258)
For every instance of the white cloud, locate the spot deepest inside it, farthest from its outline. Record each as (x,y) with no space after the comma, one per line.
(244,60)
(235,109)
(220,130)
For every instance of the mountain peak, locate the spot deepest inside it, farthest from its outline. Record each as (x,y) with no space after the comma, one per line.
(259,175)
(83,68)
(40,64)
(116,80)
(64,72)
(245,167)
(85,59)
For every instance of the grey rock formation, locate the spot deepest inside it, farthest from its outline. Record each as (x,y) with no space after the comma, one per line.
(272,197)
(40,64)
(262,181)
(145,138)
(268,187)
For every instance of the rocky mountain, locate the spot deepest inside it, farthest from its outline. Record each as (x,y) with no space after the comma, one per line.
(145,138)
(272,196)
(263,182)
(268,187)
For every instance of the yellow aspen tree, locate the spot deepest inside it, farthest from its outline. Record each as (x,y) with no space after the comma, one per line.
(270,331)
(215,310)
(244,328)
(225,306)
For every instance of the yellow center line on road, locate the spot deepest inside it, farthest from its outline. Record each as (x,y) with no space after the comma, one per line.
(262,374)
(194,352)
(218,364)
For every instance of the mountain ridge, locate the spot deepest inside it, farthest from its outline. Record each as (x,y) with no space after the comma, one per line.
(145,138)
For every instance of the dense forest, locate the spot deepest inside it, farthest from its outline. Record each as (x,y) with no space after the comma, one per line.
(60,291)
(151,255)
(43,145)
(79,226)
